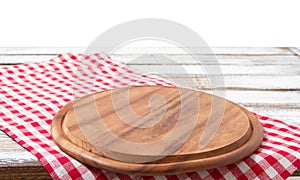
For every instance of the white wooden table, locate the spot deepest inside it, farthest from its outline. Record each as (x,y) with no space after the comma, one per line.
(266,80)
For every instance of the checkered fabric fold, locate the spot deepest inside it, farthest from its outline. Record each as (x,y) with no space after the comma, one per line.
(31,94)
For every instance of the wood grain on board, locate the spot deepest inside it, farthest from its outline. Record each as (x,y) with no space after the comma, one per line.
(271,93)
(152,130)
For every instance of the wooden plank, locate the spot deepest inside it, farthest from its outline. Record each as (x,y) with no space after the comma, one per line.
(252,50)
(242,82)
(24,172)
(170,59)
(39,50)
(275,82)
(149,50)
(18,163)
(18,59)
(280,99)
(291,116)
(12,154)
(206,59)
(226,69)
(214,50)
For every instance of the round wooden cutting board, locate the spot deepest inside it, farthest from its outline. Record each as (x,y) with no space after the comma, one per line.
(154,130)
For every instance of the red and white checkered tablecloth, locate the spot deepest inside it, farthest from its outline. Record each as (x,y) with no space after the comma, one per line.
(31,94)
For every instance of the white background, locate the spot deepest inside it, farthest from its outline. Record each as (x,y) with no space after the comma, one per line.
(58,23)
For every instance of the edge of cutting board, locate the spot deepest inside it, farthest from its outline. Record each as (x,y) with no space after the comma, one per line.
(175,167)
